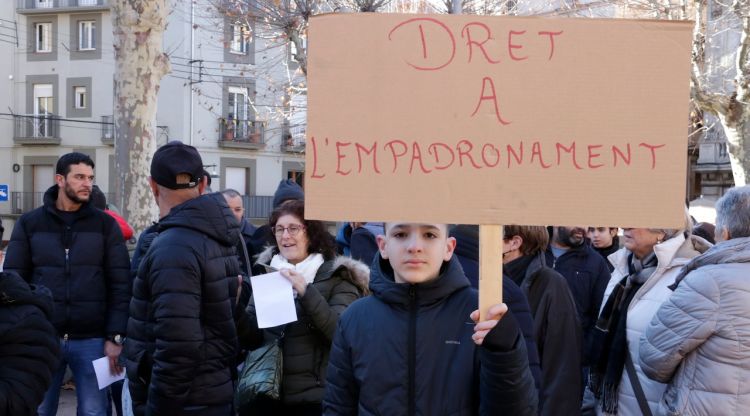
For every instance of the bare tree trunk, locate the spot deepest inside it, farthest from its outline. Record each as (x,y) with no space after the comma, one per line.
(738,138)
(733,110)
(140,64)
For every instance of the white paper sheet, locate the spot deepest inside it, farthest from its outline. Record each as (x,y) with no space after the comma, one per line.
(103,376)
(274,300)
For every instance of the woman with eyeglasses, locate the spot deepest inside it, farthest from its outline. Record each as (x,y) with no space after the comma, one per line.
(324,285)
(645,268)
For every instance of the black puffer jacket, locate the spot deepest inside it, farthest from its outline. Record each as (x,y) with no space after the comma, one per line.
(467,253)
(29,347)
(587,275)
(407,350)
(307,341)
(85,265)
(557,330)
(182,341)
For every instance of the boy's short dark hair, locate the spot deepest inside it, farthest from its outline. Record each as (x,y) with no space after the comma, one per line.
(74,158)
(448,227)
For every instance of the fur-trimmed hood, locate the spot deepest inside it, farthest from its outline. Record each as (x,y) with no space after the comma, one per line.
(359,273)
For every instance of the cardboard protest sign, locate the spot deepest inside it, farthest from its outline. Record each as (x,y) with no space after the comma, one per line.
(497,120)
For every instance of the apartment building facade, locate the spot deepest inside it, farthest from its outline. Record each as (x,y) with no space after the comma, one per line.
(57,96)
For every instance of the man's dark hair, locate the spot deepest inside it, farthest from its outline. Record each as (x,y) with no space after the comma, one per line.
(66,160)
(320,240)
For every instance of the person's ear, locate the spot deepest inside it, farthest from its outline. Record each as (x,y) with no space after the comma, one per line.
(661,238)
(381,240)
(154,187)
(450,247)
(59,180)
(514,243)
(724,234)
(202,184)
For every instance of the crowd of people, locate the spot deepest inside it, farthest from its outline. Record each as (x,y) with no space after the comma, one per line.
(593,321)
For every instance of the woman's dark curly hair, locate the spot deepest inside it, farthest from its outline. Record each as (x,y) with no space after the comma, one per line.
(320,240)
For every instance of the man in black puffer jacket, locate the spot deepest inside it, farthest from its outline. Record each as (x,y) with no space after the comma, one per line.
(29,347)
(411,347)
(585,271)
(78,253)
(182,341)
(467,253)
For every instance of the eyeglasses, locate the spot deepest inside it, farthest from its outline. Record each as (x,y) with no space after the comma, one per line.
(293,230)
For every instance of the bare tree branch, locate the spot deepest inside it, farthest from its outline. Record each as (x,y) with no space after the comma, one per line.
(714,103)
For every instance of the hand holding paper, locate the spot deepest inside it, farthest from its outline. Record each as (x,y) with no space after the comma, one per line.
(296,279)
(104,377)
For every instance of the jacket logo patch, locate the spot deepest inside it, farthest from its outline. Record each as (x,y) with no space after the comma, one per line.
(452,342)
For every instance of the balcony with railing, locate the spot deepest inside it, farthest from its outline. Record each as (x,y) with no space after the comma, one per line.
(108,130)
(36,129)
(55,6)
(294,140)
(241,134)
(257,206)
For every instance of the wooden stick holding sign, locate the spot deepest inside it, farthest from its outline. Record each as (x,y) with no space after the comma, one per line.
(490,267)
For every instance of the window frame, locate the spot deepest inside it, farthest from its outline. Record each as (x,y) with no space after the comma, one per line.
(239,43)
(41,41)
(80,91)
(90,27)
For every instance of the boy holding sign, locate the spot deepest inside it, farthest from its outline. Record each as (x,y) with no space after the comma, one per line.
(416,346)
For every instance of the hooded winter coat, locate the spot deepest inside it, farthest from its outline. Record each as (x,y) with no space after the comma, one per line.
(29,348)
(671,254)
(84,264)
(307,342)
(408,350)
(557,332)
(699,340)
(182,342)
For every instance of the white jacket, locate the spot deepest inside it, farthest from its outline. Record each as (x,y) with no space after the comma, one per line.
(672,255)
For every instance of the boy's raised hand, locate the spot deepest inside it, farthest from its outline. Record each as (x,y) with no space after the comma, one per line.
(481,329)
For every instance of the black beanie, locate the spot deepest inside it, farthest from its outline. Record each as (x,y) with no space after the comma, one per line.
(288,189)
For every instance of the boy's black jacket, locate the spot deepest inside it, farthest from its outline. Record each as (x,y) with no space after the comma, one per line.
(407,349)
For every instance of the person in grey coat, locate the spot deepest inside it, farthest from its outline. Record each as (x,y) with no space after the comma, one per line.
(699,340)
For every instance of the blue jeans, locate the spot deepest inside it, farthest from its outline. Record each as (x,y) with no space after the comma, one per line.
(78,354)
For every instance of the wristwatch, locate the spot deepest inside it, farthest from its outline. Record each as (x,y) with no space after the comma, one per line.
(116,339)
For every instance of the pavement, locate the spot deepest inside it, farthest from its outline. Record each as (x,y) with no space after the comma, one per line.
(67,404)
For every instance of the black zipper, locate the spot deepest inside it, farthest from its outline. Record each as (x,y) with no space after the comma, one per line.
(67,240)
(412,359)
